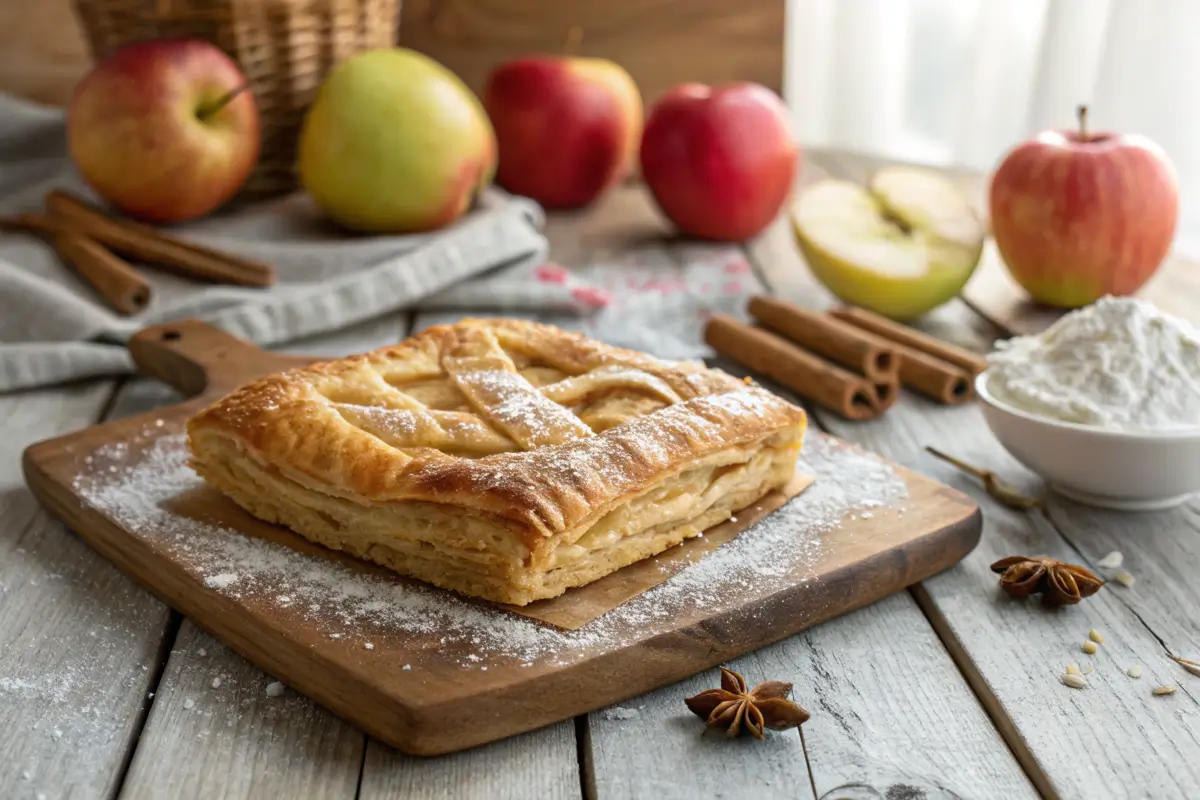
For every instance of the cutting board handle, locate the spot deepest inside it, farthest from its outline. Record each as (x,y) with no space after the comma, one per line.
(195,357)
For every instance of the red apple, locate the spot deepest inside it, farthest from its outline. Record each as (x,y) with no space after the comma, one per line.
(720,161)
(566,128)
(1078,215)
(161,129)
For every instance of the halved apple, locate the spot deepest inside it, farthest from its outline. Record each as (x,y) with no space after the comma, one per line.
(901,246)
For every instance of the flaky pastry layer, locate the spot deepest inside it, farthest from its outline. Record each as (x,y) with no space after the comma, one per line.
(498,458)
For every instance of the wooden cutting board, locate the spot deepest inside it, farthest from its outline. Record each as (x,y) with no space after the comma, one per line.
(422,669)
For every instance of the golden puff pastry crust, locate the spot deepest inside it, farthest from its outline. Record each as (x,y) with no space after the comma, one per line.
(502,459)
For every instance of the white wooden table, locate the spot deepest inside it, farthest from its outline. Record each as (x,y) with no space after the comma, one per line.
(946,690)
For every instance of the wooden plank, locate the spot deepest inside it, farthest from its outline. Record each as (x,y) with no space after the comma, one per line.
(79,641)
(538,764)
(234,740)
(867,712)
(1014,652)
(653,746)
(661,43)
(215,731)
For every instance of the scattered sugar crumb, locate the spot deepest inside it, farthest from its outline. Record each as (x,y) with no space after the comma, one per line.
(733,519)
(777,552)
(56,733)
(369,645)
(620,712)
(26,775)
(406,667)
(221,580)
(189,703)
(1111,561)
(149,695)
(202,652)
(274,689)
(216,683)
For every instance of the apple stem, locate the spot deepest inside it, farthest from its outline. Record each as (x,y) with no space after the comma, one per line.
(574,37)
(1081,115)
(206,112)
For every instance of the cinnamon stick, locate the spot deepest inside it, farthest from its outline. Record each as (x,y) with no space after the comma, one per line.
(805,373)
(885,395)
(150,245)
(113,277)
(914,339)
(849,345)
(941,380)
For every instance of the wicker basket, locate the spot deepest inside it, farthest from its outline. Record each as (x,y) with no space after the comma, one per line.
(284,47)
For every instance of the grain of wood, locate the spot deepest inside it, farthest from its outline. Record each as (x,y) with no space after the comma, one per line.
(539,764)
(632,742)
(78,640)
(232,740)
(881,680)
(660,43)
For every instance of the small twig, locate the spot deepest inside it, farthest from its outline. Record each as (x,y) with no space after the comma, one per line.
(574,38)
(1190,666)
(1003,492)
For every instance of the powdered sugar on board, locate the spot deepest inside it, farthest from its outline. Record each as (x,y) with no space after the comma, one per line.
(342,601)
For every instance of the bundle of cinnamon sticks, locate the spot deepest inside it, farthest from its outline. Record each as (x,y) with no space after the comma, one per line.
(96,246)
(849,360)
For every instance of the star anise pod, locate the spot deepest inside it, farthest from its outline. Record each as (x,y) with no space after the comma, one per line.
(1060,583)
(732,706)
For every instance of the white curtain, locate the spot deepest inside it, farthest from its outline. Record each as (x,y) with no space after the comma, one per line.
(959,82)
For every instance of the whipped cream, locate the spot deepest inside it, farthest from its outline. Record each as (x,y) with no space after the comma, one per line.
(1120,364)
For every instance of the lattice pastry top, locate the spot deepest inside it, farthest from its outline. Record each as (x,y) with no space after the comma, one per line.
(539,430)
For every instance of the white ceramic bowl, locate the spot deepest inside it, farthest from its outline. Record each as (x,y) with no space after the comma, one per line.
(1110,469)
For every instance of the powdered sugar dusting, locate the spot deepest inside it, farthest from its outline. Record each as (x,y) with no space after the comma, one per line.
(342,601)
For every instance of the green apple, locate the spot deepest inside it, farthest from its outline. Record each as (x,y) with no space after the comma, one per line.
(901,246)
(395,143)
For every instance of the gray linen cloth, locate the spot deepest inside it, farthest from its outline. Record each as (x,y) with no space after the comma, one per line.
(54,328)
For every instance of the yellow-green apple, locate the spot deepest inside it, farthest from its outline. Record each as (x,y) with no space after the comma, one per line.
(395,143)
(164,130)
(567,128)
(900,246)
(1078,215)
(719,161)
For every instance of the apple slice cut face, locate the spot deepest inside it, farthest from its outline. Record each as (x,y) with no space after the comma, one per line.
(906,224)
(927,203)
(846,223)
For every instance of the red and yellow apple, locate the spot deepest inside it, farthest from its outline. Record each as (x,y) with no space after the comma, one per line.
(902,245)
(395,143)
(164,129)
(1078,215)
(719,161)
(567,128)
